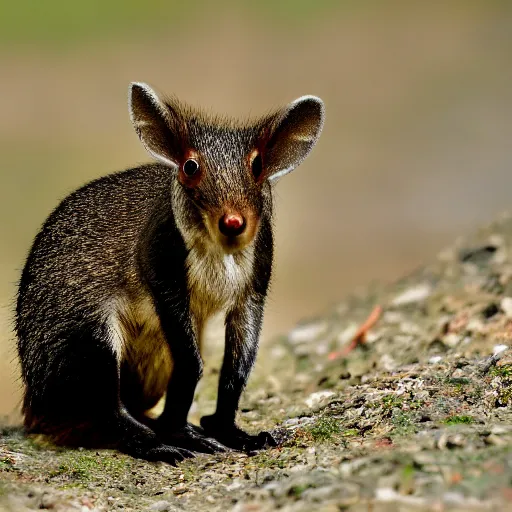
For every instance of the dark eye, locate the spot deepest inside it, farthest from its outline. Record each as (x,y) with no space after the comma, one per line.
(190,167)
(257,166)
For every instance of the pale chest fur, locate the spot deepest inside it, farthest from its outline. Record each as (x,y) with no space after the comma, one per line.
(217,280)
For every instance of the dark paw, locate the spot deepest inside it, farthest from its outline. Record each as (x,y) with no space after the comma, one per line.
(235,438)
(166,453)
(191,438)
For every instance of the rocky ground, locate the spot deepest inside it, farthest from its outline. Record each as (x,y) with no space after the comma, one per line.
(419,417)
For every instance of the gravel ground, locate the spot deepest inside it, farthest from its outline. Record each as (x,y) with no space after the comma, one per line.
(418,417)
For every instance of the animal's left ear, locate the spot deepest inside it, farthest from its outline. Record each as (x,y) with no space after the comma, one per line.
(291,135)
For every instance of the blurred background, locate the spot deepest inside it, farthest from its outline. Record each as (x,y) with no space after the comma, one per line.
(416,147)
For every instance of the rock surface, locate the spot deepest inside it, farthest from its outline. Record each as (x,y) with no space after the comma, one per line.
(419,417)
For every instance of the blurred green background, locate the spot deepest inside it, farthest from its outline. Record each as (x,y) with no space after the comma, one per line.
(416,147)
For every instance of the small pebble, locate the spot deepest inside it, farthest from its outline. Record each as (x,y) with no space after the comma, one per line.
(452,339)
(498,349)
(236,484)
(415,294)
(385,494)
(162,506)
(315,399)
(180,489)
(305,333)
(392,317)
(347,334)
(506,306)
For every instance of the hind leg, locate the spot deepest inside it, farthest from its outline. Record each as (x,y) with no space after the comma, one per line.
(72,395)
(145,370)
(145,373)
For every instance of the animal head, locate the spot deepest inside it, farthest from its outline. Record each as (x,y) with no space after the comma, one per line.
(224,168)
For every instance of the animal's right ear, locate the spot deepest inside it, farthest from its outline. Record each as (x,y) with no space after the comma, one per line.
(156,123)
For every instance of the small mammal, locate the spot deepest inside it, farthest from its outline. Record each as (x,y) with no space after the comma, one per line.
(125,272)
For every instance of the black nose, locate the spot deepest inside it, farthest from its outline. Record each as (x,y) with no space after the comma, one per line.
(232,224)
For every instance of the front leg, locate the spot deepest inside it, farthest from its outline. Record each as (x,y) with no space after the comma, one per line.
(165,272)
(243,325)
(172,425)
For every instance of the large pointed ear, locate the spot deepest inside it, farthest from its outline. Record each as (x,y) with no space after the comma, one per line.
(292,134)
(157,124)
